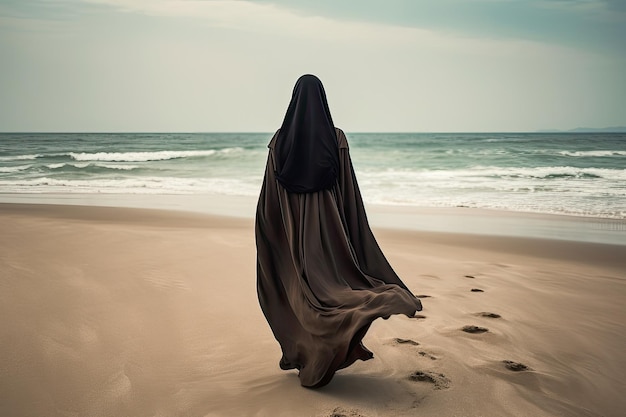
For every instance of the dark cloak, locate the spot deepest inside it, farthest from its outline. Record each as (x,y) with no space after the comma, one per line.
(307,158)
(321,276)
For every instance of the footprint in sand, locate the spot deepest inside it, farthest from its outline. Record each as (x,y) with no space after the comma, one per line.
(439,380)
(427,355)
(474,329)
(410,342)
(340,412)
(488,315)
(418,316)
(470,276)
(405,341)
(515,366)
(477,290)
(422,296)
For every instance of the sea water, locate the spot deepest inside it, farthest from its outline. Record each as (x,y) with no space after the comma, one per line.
(559,173)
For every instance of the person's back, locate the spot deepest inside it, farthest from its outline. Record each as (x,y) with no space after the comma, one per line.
(321,277)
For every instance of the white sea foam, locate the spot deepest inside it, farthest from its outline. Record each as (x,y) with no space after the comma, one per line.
(89,164)
(230,150)
(564,190)
(592,153)
(146,156)
(557,202)
(56,166)
(14,169)
(557,171)
(121,167)
(139,185)
(419,175)
(20,157)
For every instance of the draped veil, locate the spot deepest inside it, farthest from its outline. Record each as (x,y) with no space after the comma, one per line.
(321,276)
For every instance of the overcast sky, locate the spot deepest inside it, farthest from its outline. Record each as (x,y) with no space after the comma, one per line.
(387,65)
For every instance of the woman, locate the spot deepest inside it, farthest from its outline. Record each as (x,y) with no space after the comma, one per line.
(321,277)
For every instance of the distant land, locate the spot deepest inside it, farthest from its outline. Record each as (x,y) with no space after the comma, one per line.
(612,129)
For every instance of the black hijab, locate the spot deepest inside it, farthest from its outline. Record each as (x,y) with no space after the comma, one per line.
(306,150)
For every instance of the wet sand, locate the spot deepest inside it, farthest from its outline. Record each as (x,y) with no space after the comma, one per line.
(132,312)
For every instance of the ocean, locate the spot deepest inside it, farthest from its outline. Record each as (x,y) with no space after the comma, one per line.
(582,174)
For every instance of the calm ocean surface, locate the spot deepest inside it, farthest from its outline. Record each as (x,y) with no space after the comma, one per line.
(559,173)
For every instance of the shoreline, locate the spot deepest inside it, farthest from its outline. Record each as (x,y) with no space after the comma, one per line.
(464,220)
(610,255)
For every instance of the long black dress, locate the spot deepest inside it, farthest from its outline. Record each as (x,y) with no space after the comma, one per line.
(321,276)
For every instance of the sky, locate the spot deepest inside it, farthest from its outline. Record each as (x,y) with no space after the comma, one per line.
(387,65)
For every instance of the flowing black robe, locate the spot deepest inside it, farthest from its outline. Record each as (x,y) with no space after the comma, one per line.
(321,276)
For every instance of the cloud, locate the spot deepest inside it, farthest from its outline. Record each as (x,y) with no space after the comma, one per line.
(133,64)
(269,18)
(601,6)
(592,24)
(242,15)
(617,5)
(41,9)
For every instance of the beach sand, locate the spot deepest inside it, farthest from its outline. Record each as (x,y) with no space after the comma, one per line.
(132,312)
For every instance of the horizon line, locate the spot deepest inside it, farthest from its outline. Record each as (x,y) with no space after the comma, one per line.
(616,129)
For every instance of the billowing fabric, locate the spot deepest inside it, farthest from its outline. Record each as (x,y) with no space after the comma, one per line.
(321,277)
(307,158)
